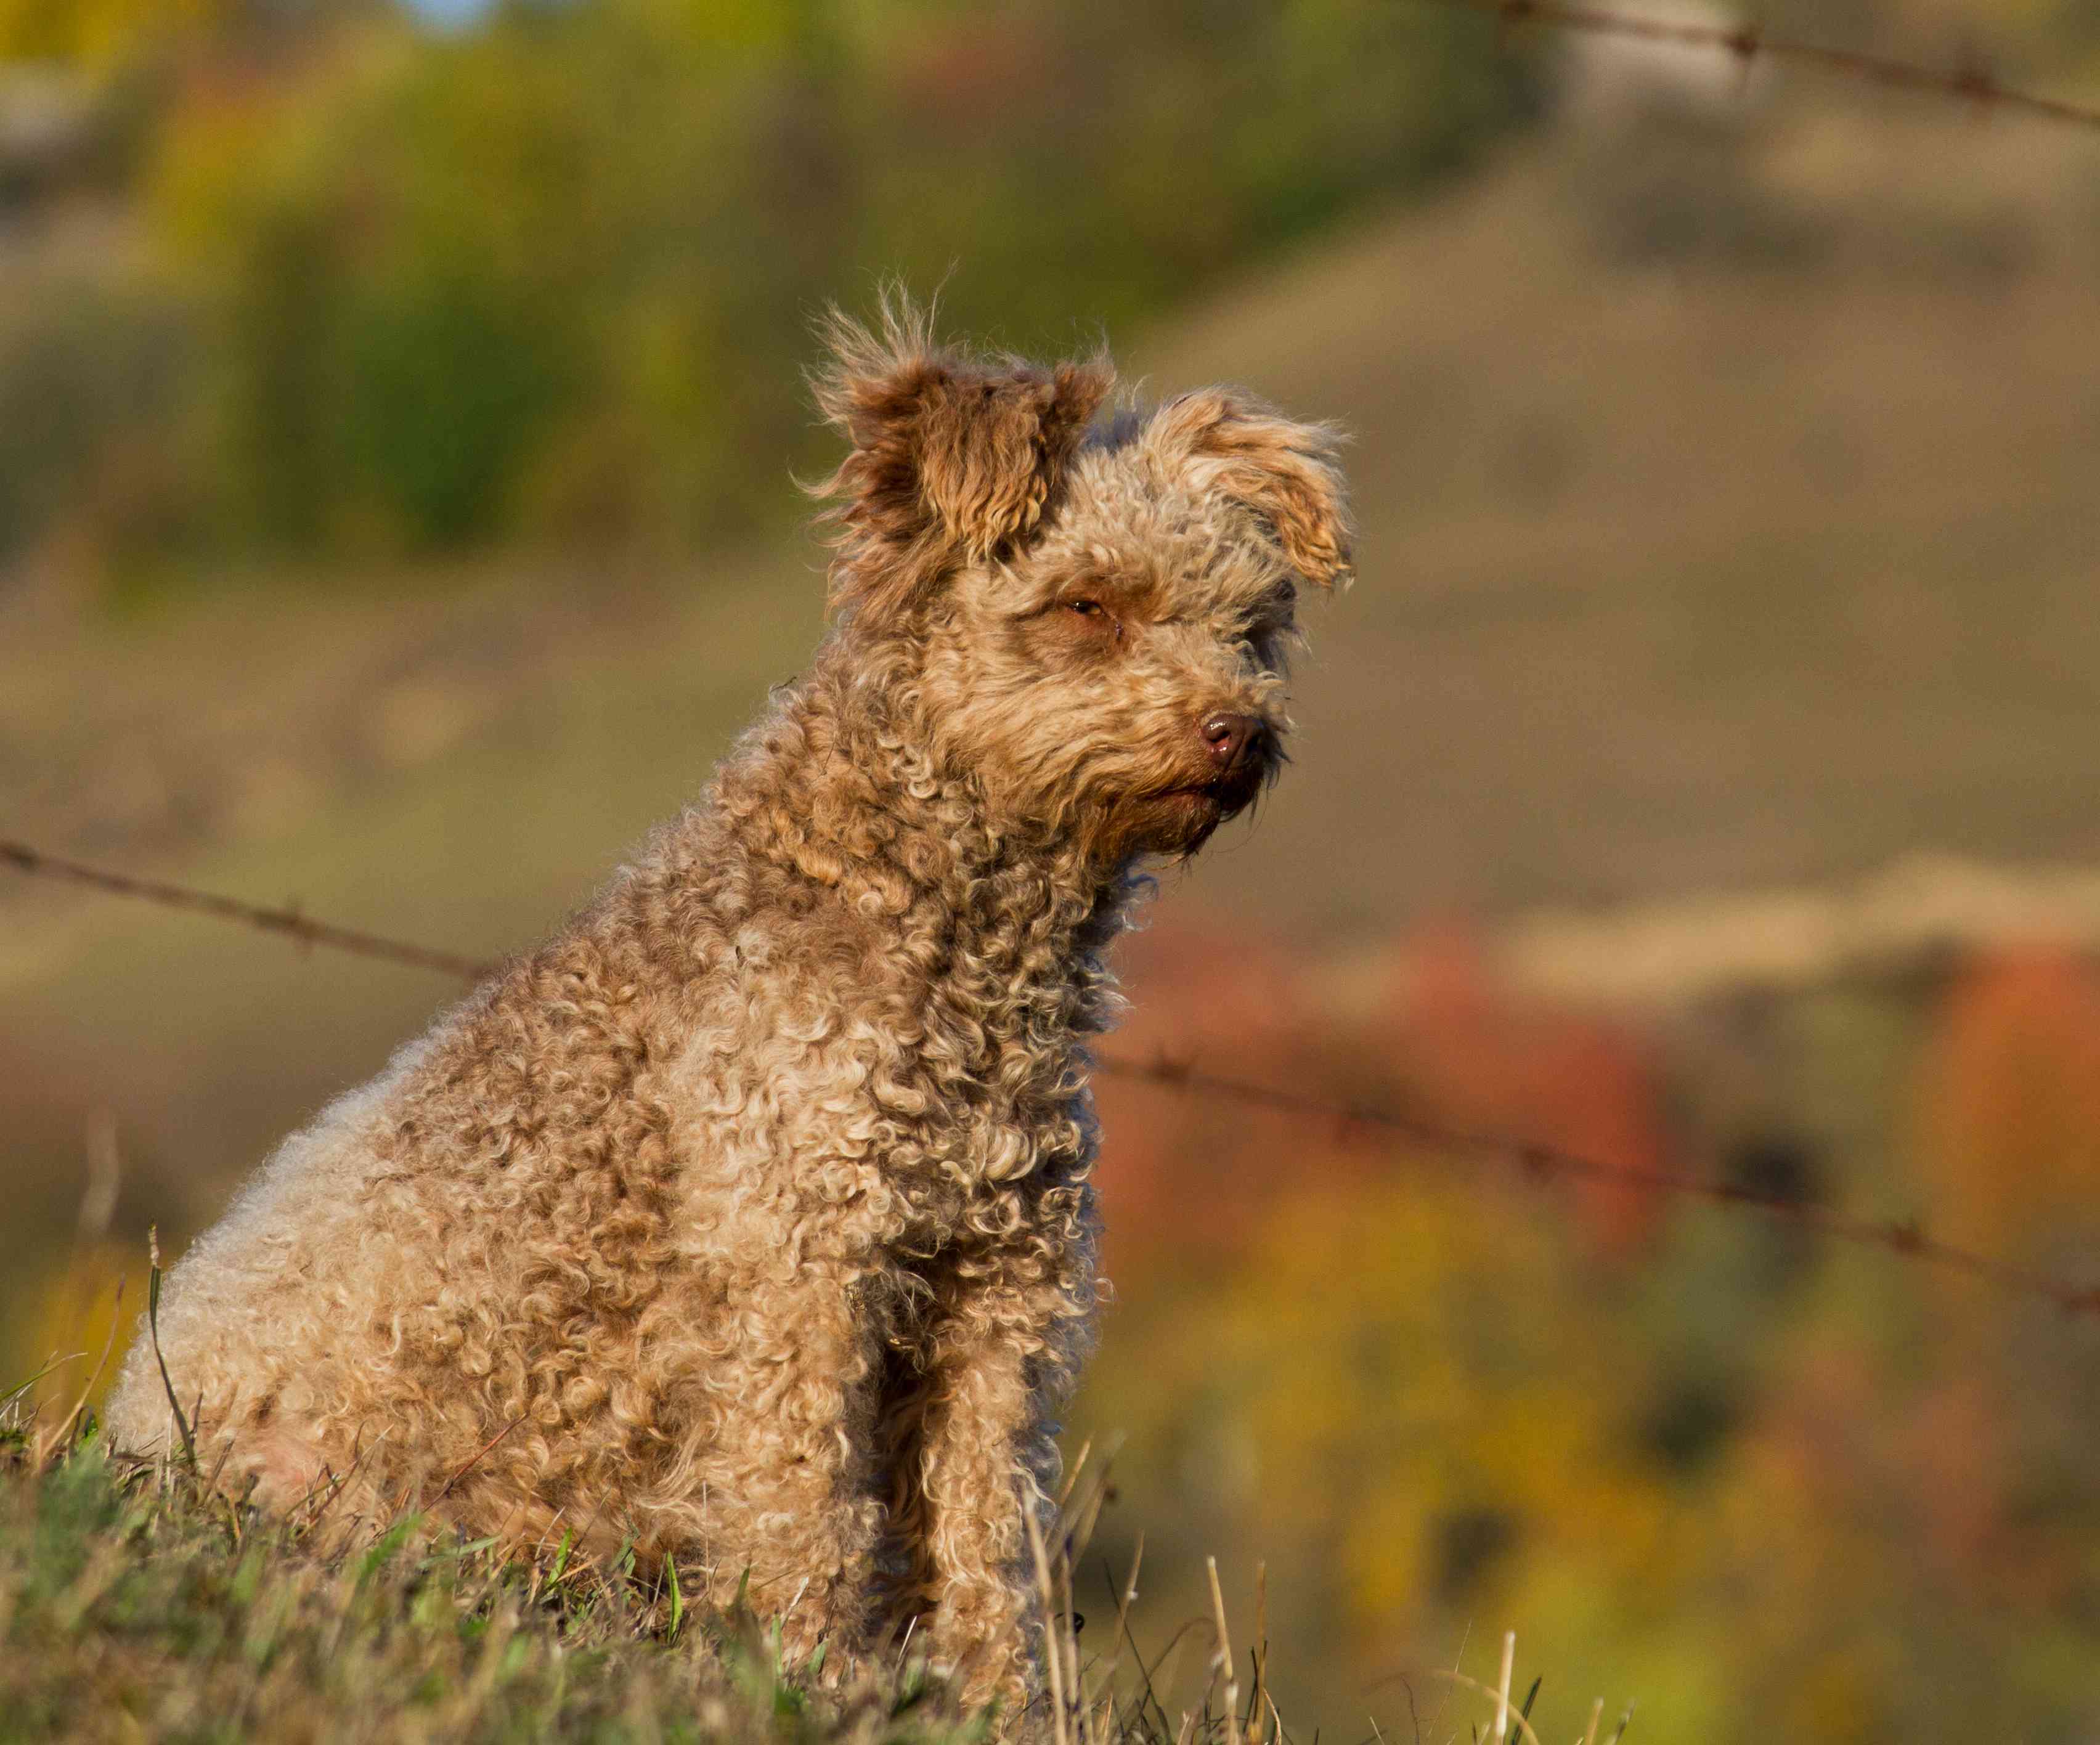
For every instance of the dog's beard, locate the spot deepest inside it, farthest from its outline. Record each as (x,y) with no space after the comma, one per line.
(1184,821)
(1180,819)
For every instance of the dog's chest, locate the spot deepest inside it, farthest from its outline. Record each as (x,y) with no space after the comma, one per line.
(1002,1077)
(922,1107)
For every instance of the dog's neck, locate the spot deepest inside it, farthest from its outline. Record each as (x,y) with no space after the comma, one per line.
(842,787)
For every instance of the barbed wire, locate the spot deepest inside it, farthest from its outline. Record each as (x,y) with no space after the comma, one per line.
(1347,1122)
(290,922)
(1972,81)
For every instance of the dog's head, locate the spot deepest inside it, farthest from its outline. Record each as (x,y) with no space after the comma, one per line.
(1100,609)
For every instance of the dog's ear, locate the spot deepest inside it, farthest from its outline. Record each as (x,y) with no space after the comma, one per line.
(1288,474)
(954,458)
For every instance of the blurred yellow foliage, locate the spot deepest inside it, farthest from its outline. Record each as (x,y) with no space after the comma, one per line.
(97,33)
(1398,1372)
(76,1315)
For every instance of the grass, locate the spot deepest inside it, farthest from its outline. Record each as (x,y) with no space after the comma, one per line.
(134,1605)
(137,1603)
(138,1600)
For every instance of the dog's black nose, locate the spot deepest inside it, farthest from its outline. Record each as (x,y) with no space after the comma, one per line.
(1230,738)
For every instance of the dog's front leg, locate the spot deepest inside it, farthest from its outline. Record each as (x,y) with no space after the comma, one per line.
(982,1443)
(785,1487)
(999,1362)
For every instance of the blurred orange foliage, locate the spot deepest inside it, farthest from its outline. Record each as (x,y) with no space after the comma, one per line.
(2010,1104)
(1439,1034)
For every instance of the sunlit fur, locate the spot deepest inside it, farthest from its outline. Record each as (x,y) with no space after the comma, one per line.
(747,1220)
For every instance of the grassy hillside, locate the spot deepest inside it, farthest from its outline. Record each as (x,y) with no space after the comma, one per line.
(1728,519)
(1725,522)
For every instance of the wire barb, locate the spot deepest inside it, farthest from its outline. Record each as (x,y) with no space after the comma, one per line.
(1533,1160)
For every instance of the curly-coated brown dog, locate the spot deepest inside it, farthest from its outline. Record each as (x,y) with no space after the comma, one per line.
(747,1221)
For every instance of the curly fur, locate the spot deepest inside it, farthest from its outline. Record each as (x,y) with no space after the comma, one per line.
(747,1220)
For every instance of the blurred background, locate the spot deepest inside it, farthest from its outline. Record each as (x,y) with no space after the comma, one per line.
(400,411)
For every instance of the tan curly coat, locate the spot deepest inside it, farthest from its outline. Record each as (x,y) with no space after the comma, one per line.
(748,1220)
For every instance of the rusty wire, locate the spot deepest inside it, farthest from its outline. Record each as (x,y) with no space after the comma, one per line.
(1346,1123)
(1972,82)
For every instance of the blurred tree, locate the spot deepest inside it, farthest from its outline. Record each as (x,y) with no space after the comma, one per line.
(553,276)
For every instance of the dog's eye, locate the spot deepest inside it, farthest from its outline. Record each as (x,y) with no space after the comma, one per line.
(1094,615)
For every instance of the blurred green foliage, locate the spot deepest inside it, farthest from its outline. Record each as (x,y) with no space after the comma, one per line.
(80,363)
(553,278)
